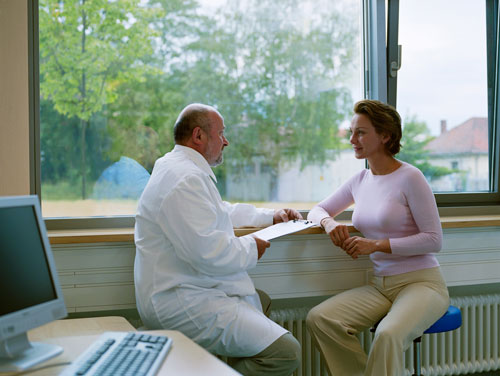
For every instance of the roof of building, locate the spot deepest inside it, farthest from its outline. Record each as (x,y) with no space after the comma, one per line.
(468,137)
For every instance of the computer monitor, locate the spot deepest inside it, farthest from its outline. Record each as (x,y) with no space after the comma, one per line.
(30,294)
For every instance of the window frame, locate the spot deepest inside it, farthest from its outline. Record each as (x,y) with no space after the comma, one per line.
(34,98)
(380,48)
(493,53)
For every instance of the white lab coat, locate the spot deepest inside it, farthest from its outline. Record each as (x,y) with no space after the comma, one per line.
(190,269)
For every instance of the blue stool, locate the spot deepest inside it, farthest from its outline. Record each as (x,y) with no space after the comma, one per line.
(451,320)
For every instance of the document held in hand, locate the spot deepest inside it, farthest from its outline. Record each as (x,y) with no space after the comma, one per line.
(283,228)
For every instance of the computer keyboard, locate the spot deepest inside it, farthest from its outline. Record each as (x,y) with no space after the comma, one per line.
(121,354)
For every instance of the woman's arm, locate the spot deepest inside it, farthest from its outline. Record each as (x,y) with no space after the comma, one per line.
(324,213)
(424,211)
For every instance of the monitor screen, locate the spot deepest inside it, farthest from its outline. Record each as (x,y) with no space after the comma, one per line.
(24,271)
(30,293)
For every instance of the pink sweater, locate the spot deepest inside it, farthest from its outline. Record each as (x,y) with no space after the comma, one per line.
(399,206)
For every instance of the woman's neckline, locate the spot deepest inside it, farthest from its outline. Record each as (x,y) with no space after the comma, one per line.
(395,168)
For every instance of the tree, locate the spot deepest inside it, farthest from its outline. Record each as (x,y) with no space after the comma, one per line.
(87,49)
(140,120)
(60,146)
(416,135)
(281,85)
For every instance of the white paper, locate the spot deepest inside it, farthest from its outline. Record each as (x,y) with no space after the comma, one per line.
(283,228)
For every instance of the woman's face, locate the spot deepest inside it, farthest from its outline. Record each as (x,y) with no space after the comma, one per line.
(365,141)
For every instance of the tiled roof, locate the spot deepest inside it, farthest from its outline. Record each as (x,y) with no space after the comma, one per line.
(468,137)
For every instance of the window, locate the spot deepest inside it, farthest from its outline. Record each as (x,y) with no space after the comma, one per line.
(444,94)
(114,76)
(449,55)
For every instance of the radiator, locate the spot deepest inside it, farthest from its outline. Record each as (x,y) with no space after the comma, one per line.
(474,347)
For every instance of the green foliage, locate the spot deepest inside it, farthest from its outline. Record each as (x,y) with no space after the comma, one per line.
(416,135)
(280,84)
(290,79)
(60,146)
(88,48)
(61,190)
(261,72)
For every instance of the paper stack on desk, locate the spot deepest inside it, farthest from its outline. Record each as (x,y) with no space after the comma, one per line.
(282,229)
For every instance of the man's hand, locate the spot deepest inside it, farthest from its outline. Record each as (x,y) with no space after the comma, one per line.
(284,215)
(261,246)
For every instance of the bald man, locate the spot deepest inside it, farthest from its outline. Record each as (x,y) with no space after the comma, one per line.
(190,269)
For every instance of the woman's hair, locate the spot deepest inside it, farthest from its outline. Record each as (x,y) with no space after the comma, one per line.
(385,120)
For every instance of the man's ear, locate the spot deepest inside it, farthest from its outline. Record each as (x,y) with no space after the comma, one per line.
(198,136)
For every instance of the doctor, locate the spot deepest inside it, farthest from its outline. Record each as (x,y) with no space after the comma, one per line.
(190,269)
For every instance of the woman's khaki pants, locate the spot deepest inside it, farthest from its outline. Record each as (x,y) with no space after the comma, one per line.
(407,303)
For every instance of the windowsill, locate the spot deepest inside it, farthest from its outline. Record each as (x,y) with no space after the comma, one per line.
(103,235)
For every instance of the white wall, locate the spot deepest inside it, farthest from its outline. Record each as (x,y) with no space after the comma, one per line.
(100,276)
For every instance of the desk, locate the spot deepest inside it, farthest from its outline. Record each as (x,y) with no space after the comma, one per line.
(185,358)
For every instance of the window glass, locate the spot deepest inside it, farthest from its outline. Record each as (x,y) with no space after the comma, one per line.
(114,75)
(442,92)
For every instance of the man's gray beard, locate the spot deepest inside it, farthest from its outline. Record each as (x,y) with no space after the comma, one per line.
(218,161)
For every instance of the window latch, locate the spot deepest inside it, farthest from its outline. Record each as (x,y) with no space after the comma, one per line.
(396,65)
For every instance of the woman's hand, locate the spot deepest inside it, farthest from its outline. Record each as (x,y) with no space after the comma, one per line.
(356,246)
(337,232)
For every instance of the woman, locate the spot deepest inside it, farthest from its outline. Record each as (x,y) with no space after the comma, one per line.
(396,212)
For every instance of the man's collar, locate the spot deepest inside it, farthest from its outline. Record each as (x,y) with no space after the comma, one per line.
(198,159)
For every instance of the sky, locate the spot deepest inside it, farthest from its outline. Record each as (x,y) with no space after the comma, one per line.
(443,73)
